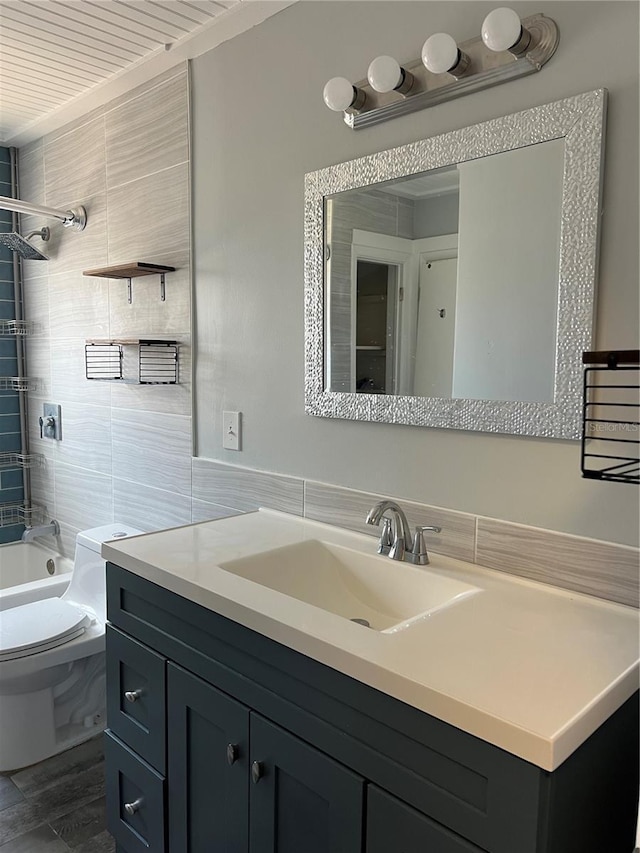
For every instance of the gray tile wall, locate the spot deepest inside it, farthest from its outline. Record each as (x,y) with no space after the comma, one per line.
(126,450)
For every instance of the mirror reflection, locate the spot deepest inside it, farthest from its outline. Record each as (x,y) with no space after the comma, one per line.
(445,284)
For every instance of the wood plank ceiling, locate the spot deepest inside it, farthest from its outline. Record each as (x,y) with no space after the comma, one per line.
(52,51)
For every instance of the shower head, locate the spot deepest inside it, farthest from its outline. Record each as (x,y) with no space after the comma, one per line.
(22,247)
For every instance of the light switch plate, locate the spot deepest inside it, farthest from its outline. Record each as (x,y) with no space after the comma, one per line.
(231,426)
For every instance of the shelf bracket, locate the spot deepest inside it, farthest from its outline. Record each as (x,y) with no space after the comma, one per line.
(129,291)
(162,289)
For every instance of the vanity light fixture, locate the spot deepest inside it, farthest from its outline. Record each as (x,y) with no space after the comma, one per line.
(506,49)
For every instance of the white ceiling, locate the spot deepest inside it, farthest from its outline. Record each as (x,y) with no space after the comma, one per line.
(60,58)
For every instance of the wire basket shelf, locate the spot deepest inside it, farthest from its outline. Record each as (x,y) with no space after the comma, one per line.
(16,328)
(103,360)
(17,383)
(611,416)
(20,513)
(156,362)
(9,460)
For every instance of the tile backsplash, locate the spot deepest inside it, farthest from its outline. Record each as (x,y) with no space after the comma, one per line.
(589,566)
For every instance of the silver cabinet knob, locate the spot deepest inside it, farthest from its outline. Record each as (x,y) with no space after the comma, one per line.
(232,753)
(132,695)
(257,772)
(132,808)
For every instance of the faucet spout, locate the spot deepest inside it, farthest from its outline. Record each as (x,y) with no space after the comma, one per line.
(51,529)
(402,540)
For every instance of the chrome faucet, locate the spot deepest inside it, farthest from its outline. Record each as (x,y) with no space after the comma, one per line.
(51,529)
(396,538)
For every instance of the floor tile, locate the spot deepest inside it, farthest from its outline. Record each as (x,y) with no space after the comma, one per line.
(102,843)
(73,791)
(40,840)
(39,777)
(82,824)
(9,793)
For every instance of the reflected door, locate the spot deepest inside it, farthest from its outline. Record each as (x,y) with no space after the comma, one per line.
(375,332)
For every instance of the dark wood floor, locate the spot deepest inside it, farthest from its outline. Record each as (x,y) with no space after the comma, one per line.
(57,805)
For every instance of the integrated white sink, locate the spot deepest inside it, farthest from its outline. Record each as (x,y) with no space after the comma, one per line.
(383,594)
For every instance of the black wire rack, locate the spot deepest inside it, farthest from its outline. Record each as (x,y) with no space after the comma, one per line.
(611,416)
(103,360)
(156,362)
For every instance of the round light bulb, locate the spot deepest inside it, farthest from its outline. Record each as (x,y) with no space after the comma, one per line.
(501,29)
(384,74)
(339,94)
(440,53)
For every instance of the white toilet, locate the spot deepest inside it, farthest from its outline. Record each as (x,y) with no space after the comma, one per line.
(52,667)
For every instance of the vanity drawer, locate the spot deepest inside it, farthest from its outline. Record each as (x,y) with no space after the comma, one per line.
(136,696)
(135,800)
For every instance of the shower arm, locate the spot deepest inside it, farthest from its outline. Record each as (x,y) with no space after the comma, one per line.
(76,218)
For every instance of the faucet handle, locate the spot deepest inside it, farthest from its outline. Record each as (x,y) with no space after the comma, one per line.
(386,536)
(419,554)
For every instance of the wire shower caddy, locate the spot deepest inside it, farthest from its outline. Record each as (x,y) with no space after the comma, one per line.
(610,448)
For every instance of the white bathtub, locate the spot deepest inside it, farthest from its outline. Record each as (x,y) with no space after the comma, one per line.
(24,576)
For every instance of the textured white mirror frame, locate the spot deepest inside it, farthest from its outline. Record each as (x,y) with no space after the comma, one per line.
(580,121)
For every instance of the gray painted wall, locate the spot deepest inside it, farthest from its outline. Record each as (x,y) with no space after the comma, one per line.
(259,125)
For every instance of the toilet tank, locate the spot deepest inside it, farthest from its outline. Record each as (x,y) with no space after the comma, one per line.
(87,586)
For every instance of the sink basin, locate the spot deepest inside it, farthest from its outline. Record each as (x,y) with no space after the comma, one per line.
(374,591)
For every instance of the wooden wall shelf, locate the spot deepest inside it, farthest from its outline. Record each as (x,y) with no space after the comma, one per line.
(133,269)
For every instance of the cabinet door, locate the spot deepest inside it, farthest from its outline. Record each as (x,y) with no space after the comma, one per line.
(301,800)
(208,769)
(394,826)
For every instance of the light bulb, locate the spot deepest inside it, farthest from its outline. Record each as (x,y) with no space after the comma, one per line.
(439,53)
(339,94)
(384,74)
(503,30)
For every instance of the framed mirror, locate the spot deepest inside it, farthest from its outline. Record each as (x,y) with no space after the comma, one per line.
(451,282)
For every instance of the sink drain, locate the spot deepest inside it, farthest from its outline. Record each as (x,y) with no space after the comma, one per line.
(361,622)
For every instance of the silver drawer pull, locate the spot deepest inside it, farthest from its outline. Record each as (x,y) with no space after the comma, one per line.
(133,695)
(132,808)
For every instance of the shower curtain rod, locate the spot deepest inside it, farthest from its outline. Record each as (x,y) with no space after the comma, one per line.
(76,218)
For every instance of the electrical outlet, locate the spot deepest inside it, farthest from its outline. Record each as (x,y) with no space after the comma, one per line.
(231,425)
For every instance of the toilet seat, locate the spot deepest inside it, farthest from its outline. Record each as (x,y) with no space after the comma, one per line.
(39,626)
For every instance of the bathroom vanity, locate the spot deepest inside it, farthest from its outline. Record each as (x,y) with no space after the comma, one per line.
(501,716)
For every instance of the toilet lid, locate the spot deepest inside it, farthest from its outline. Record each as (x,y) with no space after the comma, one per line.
(39,626)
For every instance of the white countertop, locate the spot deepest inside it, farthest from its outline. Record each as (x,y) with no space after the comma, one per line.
(527,667)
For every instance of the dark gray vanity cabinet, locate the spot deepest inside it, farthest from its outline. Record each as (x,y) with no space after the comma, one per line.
(234,743)
(278,795)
